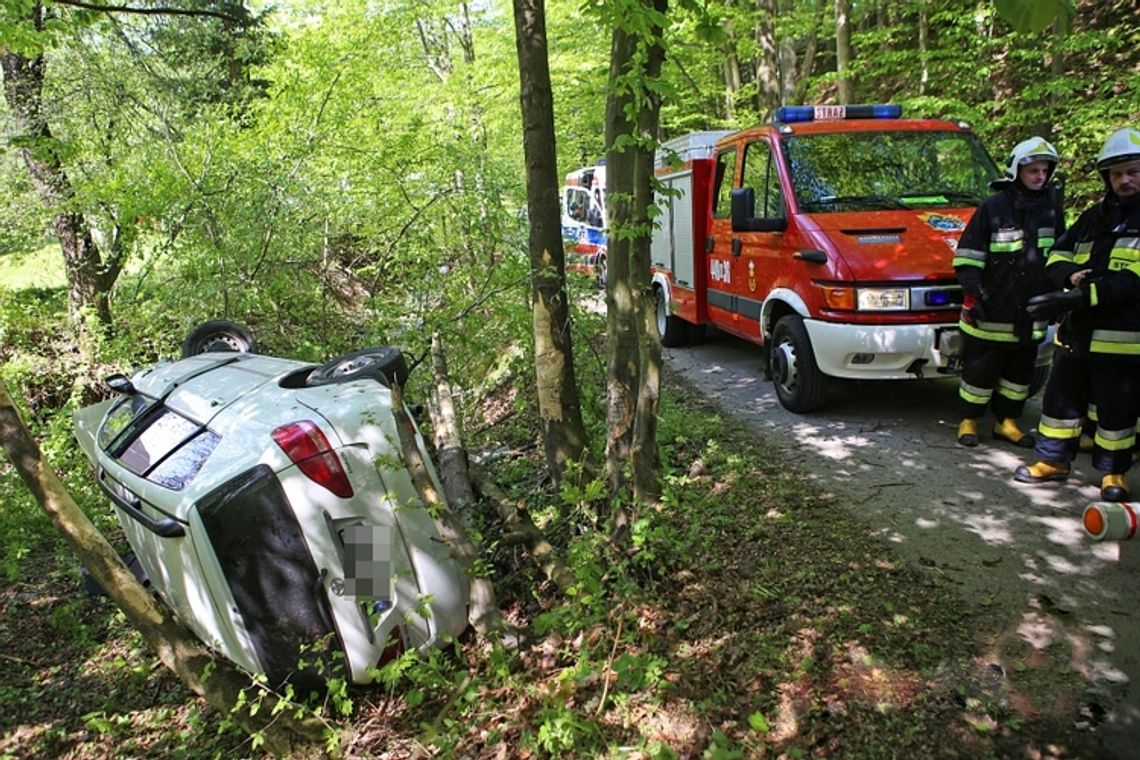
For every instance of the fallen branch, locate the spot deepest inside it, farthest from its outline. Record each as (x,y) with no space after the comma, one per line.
(552,565)
(483,611)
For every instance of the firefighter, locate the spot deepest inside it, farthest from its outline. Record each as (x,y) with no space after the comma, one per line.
(1000,262)
(1097,361)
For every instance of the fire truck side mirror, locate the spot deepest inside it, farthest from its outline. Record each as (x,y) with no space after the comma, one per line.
(743,206)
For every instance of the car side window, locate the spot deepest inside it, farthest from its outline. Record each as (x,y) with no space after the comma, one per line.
(760,174)
(725,174)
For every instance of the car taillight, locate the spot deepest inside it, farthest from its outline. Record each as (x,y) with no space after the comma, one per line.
(306,446)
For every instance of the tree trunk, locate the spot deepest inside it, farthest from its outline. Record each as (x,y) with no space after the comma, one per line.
(633,346)
(807,62)
(732,79)
(217,681)
(767,63)
(453,471)
(923,53)
(843,54)
(89,278)
(563,432)
(483,610)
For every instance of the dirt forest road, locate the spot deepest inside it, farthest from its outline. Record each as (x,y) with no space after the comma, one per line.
(887,453)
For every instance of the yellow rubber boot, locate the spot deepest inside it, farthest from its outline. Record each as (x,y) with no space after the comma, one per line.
(1042,471)
(1008,430)
(1113,487)
(968,432)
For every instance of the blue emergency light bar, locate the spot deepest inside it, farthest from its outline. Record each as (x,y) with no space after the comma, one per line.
(793,114)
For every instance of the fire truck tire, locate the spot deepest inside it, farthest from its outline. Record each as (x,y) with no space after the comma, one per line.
(382,363)
(799,384)
(1040,377)
(218,335)
(674,330)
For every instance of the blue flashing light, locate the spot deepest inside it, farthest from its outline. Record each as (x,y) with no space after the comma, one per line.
(794,114)
(936,297)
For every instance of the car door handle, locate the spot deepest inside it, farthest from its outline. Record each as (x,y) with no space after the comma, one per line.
(167,528)
(813,256)
(737,247)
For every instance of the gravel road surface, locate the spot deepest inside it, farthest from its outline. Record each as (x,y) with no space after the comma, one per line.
(886,450)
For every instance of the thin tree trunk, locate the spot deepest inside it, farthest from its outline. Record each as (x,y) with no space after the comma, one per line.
(843,54)
(483,610)
(634,350)
(453,467)
(923,52)
(216,681)
(563,432)
(767,63)
(89,278)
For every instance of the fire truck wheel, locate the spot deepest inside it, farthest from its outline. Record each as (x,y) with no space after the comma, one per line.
(1040,377)
(382,363)
(674,330)
(218,335)
(800,386)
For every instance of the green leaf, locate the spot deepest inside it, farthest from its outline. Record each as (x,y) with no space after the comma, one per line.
(758,722)
(1033,15)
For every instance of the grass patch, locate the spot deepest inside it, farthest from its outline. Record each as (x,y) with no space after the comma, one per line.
(750,618)
(42,268)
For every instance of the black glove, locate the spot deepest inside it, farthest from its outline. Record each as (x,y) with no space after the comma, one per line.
(976,313)
(1051,305)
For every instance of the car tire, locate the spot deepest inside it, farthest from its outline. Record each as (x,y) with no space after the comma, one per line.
(799,384)
(674,330)
(382,363)
(219,335)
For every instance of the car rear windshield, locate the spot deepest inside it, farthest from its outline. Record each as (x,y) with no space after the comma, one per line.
(155,442)
(877,171)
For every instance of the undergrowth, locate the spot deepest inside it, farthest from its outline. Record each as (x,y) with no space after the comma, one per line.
(748,616)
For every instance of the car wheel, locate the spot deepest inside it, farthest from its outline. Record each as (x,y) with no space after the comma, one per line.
(1040,377)
(382,363)
(674,330)
(219,335)
(800,386)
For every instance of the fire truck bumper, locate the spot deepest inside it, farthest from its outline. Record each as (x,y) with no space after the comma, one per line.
(884,352)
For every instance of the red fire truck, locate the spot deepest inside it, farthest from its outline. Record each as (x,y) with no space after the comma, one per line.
(825,237)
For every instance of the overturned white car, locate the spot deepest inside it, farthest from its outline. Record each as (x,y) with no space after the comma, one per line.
(269,505)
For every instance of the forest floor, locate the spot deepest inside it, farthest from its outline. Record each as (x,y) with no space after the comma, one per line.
(754,619)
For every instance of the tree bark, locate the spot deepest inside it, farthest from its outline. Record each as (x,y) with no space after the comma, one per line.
(216,681)
(634,348)
(483,610)
(843,55)
(453,466)
(89,278)
(767,63)
(563,432)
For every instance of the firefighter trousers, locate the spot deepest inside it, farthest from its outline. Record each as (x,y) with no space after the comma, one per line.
(1112,388)
(995,375)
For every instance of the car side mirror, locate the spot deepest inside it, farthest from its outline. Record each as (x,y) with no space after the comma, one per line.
(120,383)
(743,206)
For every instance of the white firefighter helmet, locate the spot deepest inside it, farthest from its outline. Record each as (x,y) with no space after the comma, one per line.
(1122,146)
(1028,151)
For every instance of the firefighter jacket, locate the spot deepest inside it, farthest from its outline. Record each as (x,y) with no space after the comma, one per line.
(1106,240)
(1000,263)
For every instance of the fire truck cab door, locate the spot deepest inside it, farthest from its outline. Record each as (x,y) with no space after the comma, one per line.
(758,256)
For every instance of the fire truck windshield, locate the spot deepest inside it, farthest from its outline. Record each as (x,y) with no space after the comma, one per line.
(873,171)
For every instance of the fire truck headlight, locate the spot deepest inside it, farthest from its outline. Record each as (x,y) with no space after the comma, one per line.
(884,299)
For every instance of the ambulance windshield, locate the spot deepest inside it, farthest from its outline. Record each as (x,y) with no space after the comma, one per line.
(875,171)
